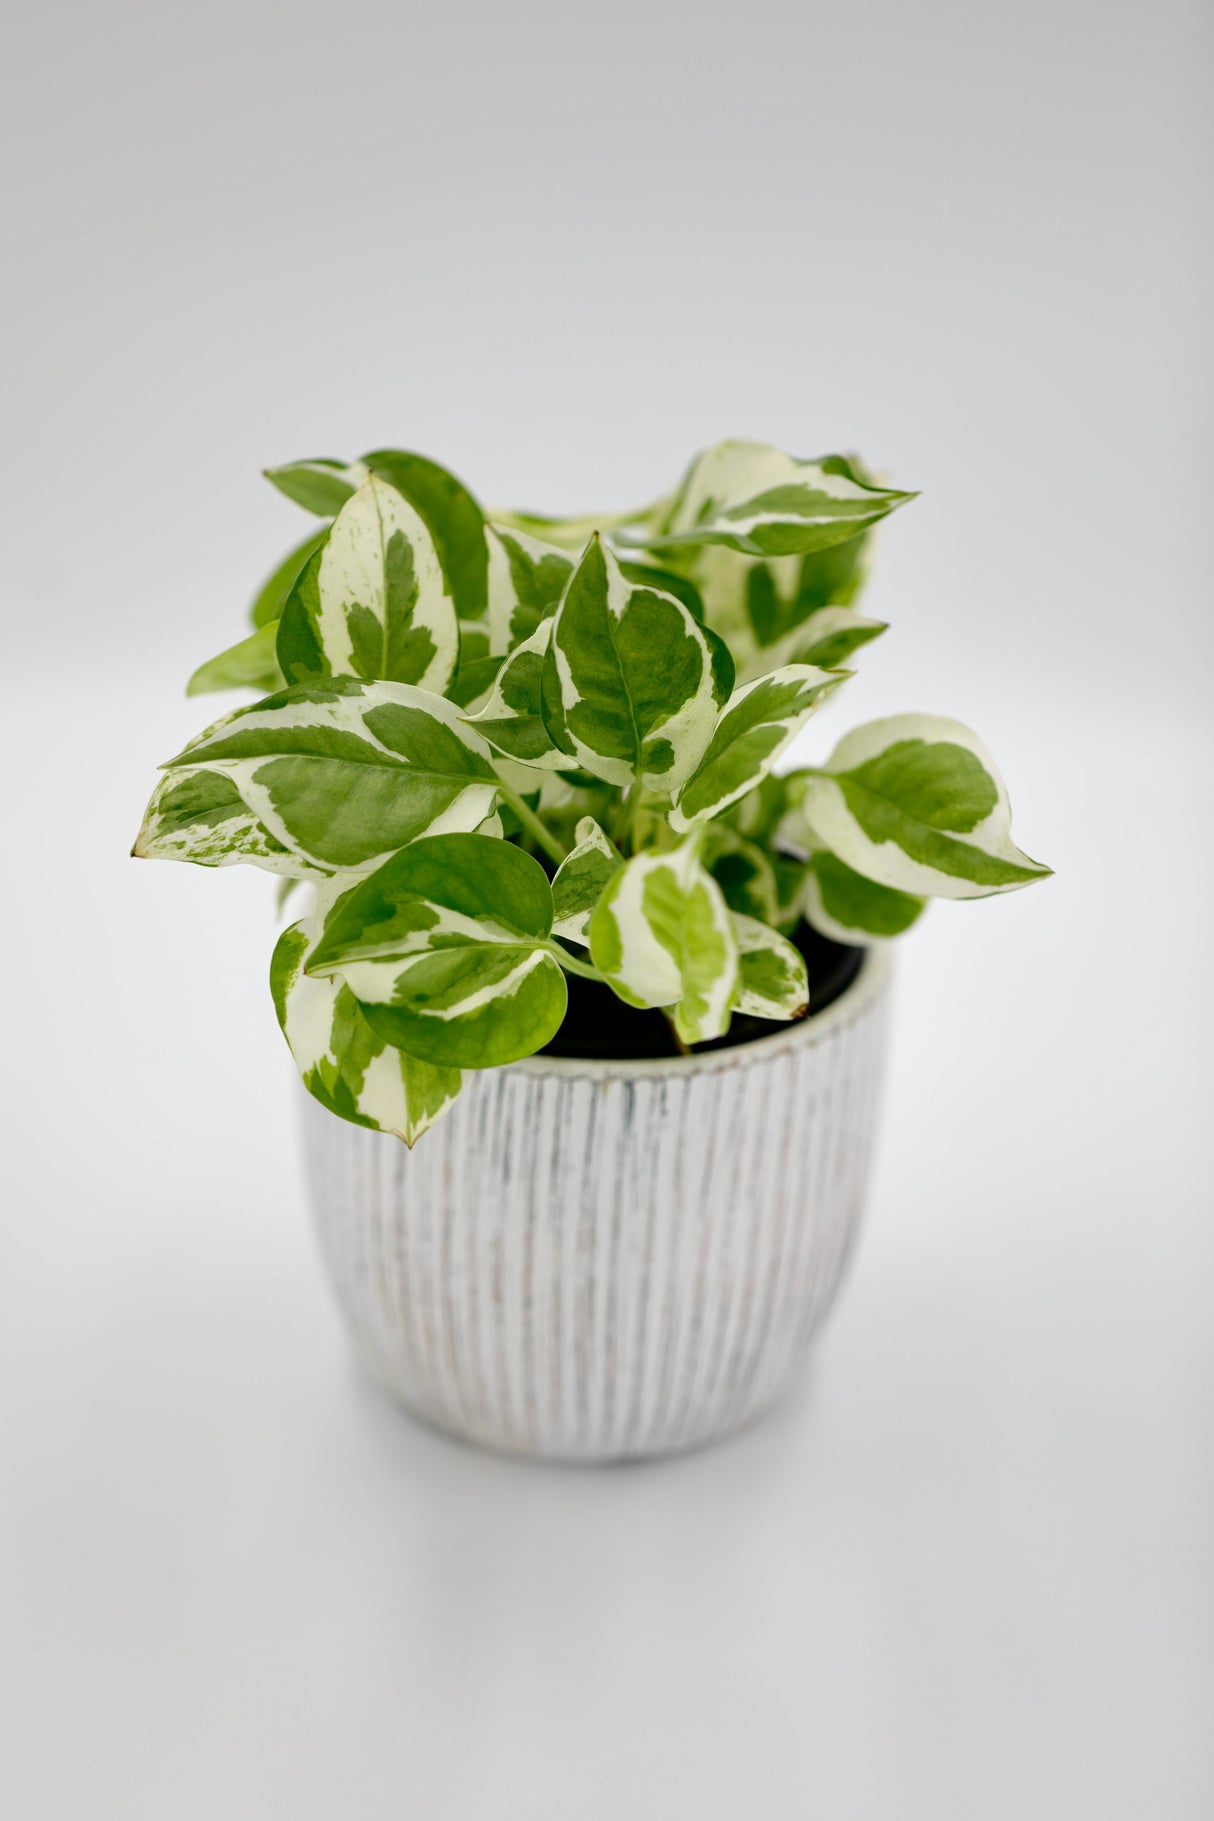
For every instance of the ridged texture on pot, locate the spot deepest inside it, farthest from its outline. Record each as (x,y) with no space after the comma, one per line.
(595,1261)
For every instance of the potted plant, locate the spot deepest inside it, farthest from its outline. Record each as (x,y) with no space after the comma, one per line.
(564,902)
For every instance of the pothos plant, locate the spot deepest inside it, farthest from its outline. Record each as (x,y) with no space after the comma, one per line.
(503,749)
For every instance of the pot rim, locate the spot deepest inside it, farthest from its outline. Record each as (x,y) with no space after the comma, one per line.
(869,985)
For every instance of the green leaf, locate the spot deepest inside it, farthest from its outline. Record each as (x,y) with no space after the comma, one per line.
(772,977)
(251,664)
(526,581)
(781,595)
(322,486)
(474,679)
(301,654)
(849,908)
(512,719)
(761,719)
(758,814)
(916,803)
(667,581)
(446,948)
(661,935)
(453,519)
(834,576)
(373,602)
(629,685)
(580,879)
(743,871)
(755,499)
(274,592)
(321,779)
(832,635)
(345,1065)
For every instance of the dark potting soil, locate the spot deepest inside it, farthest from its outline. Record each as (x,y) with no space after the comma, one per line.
(598,1027)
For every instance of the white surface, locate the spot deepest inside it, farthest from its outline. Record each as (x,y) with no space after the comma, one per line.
(969,1575)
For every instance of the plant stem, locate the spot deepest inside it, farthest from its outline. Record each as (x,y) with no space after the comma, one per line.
(571,964)
(543,837)
(622,827)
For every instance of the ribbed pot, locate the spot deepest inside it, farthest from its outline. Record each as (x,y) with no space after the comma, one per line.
(594,1261)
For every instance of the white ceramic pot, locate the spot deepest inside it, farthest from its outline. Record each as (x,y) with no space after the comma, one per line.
(598,1261)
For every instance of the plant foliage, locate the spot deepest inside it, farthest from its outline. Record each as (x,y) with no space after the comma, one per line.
(506,750)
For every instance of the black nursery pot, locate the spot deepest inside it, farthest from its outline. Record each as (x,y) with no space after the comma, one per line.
(598,1027)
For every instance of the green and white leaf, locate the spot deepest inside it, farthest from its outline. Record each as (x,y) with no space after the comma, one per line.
(472,684)
(322,778)
(322,485)
(250,664)
(447,949)
(662,935)
(512,719)
(755,499)
(915,802)
(580,880)
(847,907)
(374,602)
(828,639)
(526,580)
(451,515)
(760,721)
(743,870)
(631,685)
(345,1065)
(772,978)
(275,591)
(200,816)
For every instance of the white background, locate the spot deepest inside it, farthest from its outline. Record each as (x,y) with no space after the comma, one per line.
(968,1573)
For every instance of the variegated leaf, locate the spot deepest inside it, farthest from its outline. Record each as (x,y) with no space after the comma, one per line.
(845,906)
(783,592)
(512,719)
(447,950)
(631,686)
(321,779)
(251,664)
(743,871)
(374,601)
(473,681)
(661,935)
(345,1065)
(648,574)
(322,485)
(452,517)
(200,816)
(916,803)
(580,879)
(275,591)
(526,581)
(755,499)
(761,719)
(772,978)
(831,636)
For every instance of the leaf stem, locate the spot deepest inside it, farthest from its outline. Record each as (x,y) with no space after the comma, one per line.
(542,836)
(585,969)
